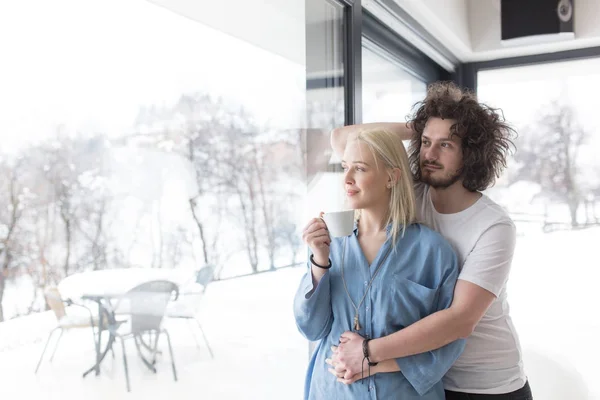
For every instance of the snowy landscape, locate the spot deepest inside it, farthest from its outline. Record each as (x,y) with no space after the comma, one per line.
(259,354)
(171,159)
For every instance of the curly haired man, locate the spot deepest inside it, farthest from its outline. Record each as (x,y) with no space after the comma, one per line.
(458,148)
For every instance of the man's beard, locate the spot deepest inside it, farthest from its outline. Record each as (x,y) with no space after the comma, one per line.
(443,182)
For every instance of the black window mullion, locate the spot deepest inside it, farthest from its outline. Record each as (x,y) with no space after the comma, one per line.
(404,53)
(353,62)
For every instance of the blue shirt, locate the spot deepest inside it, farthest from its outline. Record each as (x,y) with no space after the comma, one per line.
(416,279)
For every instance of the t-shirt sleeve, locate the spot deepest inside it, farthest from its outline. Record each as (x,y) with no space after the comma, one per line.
(488,264)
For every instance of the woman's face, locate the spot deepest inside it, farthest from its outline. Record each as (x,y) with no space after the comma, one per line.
(365,183)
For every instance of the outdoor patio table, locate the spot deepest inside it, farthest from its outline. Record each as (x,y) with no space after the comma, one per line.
(102,286)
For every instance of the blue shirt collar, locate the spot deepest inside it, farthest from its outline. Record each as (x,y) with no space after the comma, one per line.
(388,229)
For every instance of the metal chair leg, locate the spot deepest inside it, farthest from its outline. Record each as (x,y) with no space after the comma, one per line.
(155,350)
(45,347)
(171,353)
(149,363)
(125,364)
(193,330)
(56,345)
(205,339)
(149,346)
(112,350)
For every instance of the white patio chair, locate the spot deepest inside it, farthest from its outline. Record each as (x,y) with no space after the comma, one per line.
(65,321)
(147,304)
(187,306)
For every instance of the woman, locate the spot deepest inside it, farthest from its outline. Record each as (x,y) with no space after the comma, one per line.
(387,274)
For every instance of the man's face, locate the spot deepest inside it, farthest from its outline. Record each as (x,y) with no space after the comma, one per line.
(440,158)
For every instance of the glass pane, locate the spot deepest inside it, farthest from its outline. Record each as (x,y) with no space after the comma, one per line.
(146,141)
(389,91)
(325,101)
(552,191)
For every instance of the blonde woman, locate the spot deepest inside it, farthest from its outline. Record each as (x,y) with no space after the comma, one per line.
(389,273)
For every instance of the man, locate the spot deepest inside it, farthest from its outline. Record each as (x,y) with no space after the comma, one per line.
(458,148)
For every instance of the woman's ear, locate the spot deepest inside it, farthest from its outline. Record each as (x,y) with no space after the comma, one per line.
(395,176)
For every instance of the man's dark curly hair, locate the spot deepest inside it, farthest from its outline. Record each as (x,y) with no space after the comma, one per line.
(486,137)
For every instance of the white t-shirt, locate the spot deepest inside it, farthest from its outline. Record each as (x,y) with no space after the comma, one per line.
(484,238)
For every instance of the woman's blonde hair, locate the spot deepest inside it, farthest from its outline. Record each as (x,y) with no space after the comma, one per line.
(387,147)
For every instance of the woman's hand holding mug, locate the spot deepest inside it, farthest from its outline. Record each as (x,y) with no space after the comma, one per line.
(316,236)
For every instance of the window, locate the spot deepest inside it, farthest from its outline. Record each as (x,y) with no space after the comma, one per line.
(389,91)
(552,192)
(168,135)
(161,135)
(326,28)
(395,73)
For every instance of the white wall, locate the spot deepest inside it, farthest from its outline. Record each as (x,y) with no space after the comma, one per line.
(453,13)
(484,27)
(276,26)
(470,29)
(447,20)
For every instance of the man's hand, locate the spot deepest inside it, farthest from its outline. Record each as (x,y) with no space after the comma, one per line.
(350,354)
(340,375)
(334,362)
(337,371)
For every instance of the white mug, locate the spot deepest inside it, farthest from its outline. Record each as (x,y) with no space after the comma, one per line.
(339,223)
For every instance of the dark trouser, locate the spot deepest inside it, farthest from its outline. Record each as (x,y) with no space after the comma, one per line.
(522,394)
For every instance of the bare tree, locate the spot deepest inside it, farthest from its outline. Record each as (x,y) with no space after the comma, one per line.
(94,217)
(61,172)
(196,154)
(264,176)
(43,269)
(33,241)
(10,216)
(221,250)
(94,225)
(280,178)
(42,233)
(236,173)
(288,236)
(176,246)
(135,236)
(69,210)
(248,198)
(219,146)
(548,154)
(232,160)
(202,118)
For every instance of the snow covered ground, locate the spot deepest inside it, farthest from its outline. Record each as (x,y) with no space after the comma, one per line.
(249,322)
(260,355)
(553,292)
